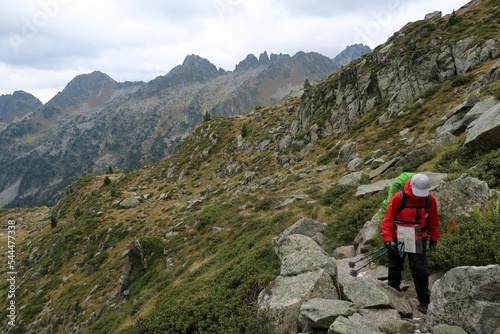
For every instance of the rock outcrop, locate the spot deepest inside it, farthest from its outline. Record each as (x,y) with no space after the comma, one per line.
(467,297)
(316,291)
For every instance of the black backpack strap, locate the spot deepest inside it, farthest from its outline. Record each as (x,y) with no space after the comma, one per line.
(403,201)
(402,205)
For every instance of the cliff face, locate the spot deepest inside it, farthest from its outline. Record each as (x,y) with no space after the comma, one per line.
(96,122)
(410,67)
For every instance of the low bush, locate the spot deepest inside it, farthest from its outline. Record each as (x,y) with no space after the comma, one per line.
(265,204)
(349,219)
(488,169)
(472,242)
(337,195)
(212,214)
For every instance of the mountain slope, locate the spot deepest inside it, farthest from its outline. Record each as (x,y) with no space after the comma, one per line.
(15,106)
(96,122)
(205,216)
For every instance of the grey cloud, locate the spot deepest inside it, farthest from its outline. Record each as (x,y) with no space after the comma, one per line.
(328,8)
(171,11)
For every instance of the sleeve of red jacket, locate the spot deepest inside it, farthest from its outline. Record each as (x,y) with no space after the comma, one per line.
(433,219)
(389,216)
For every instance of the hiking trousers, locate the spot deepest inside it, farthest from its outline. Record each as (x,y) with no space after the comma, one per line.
(418,271)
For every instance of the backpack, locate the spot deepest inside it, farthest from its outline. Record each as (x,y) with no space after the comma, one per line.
(404,199)
(397,185)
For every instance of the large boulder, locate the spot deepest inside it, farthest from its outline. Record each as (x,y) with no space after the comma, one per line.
(356,323)
(467,191)
(300,254)
(484,132)
(380,316)
(372,293)
(321,313)
(130,202)
(284,296)
(135,266)
(468,297)
(367,236)
(305,226)
(307,271)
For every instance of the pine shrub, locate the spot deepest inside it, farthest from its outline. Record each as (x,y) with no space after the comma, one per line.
(472,242)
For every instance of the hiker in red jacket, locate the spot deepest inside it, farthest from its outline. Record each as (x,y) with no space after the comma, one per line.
(410,219)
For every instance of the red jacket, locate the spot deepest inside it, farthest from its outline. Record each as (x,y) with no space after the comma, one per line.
(407,214)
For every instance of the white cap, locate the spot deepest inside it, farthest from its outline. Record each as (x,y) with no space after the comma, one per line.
(420,185)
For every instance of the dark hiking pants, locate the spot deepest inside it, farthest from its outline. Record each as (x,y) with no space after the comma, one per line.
(418,271)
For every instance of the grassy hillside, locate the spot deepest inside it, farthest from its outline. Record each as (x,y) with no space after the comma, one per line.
(207,214)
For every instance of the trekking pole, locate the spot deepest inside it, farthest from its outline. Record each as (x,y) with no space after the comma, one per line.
(354,273)
(378,250)
(401,249)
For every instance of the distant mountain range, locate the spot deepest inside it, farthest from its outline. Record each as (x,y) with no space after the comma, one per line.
(96,123)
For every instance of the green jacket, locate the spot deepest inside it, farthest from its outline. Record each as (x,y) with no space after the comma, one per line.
(396,186)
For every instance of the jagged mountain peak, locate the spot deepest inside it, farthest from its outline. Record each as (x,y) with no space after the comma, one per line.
(90,77)
(194,69)
(202,233)
(264,58)
(195,61)
(350,53)
(88,83)
(19,95)
(17,105)
(170,106)
(249,62)
(95,87)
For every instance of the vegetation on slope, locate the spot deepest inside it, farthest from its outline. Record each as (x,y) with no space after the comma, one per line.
(197,210)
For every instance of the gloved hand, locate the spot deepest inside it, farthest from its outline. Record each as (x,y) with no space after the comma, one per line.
(433,245)
(391,245)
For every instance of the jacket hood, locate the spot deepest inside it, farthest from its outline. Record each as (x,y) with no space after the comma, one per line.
(408,192)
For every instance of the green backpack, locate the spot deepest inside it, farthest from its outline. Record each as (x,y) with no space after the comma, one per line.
(397,185)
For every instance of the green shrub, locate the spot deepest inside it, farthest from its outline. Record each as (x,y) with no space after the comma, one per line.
(461,80)
(492,89)
(212,214)
(264,204)
(415,163)
(453,20)
(471,242)
(78,212)
(53,222)
(206,117)
(349,219)
(337,195)
(152,247)
(244,130)
(329,156)
(457,160)
(431,91)
(488,169)
(106,181)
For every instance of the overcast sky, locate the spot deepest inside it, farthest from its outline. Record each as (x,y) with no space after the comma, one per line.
(44,44)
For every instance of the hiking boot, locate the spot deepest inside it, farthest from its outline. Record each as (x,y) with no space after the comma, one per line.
(422,308)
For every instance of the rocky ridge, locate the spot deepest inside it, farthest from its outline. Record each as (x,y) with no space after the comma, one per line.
(15,106)
(205,217)
(86,128)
